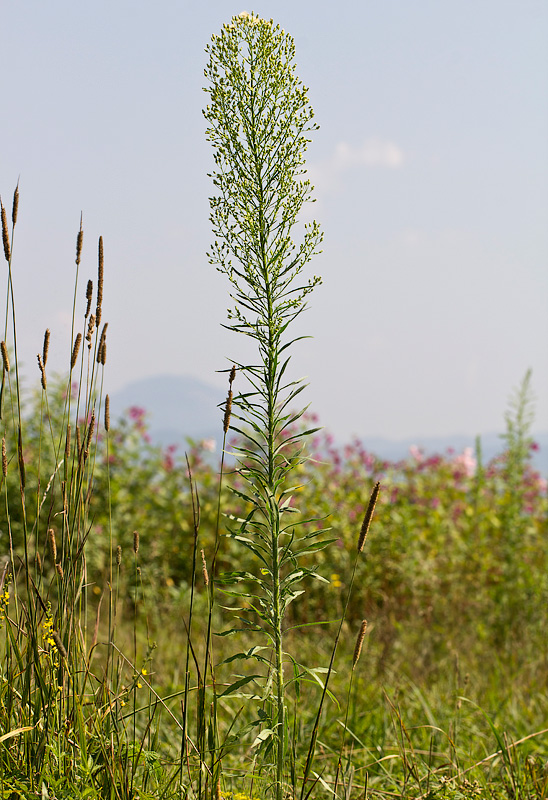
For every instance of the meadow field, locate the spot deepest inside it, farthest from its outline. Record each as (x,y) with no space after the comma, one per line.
(296,618)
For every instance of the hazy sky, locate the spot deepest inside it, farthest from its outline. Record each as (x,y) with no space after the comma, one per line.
(431,175)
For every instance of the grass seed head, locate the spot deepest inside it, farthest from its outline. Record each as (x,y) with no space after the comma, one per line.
(4,457)
(75,350)
(89,297)
(102,343)
(45,349)
(67,443)
(59,570)
(79,243)
(368,516)
(89,436)
(91,328)
(118,556)
(5,357)
(59,644)
(15,206)
(42,372)
(52,545)
(5,232)
(100,281)
(204,569)
(135,542)
(228,411)
(359,643)
(107,413)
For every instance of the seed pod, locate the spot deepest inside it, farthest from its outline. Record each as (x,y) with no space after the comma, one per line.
(75,350)
(368,516)
(5,357)
(359,643)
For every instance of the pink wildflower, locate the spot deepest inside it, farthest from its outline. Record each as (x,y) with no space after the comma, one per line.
(466,461)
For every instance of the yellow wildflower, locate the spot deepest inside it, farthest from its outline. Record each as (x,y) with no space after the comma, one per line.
(336,582)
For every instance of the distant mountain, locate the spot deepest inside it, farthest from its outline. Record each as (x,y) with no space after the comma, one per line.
(177,407)
(491,445)
(181,407)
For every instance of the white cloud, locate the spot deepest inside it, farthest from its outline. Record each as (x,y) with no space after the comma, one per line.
(372,153)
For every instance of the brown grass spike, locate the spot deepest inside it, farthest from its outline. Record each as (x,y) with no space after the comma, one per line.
(45,349)
(52,545)
(89,297)
(100,282)
(368,515)
(91,328)
(15,206)
(58,643)
(67,443)
(102,342)
(75,350)
(5,357)
(89,436)
(228,411)
(5,232)
(204,569)
(79,243)
(359,643)
(42,372)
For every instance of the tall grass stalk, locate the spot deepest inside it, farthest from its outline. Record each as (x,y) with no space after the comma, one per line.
(259,119)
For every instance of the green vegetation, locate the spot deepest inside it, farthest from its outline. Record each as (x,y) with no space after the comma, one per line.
(127,568)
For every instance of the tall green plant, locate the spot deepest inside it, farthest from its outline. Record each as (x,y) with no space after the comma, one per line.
(259,119)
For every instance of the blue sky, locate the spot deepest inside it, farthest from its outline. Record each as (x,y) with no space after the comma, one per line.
(431,175)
